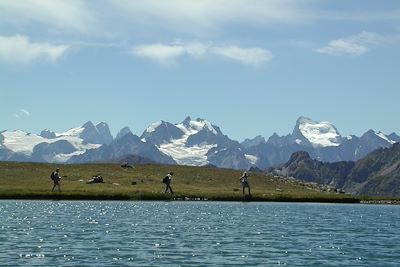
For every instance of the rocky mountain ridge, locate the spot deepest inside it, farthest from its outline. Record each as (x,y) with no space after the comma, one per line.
(377,174)
(191,142)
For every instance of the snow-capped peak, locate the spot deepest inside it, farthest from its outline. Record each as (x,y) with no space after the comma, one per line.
(22,142)
(77,131)
(319,134)
(183,153)
(72,132)
(153,126)
(99,134)
(194,126)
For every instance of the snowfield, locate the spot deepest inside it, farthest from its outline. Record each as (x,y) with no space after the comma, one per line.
(24,143)
(320,134)
(251,158)
(185,155)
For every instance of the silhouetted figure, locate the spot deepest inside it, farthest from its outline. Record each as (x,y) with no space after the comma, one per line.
(244,180)
(167,181)
(55,176)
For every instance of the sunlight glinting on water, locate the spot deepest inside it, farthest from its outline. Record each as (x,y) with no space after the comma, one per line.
(38,233)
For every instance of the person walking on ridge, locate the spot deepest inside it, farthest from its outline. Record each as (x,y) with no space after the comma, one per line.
(55,176)
(167,181)
(244,180)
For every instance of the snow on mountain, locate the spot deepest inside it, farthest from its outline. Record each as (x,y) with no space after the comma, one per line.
(153,126)
(73,132)
(184,155)
(191,142)
(180,151)
(95,134)
(189,126)
(319,134)
(21,142)
(200,124)
(28,144)
(251,158)
(161,132)
(384,137)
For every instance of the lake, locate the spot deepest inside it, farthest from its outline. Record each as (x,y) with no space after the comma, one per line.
(93,233)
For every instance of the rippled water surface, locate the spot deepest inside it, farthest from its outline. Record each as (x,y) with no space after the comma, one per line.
(52,233)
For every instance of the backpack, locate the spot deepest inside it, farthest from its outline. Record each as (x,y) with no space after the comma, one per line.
(52,176)
(165,180)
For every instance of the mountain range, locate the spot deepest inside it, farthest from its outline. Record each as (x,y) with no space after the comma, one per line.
(377,174)
(190,142)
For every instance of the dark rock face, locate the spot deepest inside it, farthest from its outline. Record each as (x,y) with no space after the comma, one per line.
(376,174)
(6,154)
(278,149)
(202,135)
(302,166)
(48,134)
(205,136)
(228,155)
(162,134)
(394,137)
(104,133)
(45,151)
(99,134)
(258,140)
(124,131)
(127,145)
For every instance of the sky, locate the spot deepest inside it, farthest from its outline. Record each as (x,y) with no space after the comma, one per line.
(251,67)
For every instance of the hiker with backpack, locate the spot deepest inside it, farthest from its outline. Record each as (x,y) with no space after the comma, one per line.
(244,180)
(55,176)
(167,181)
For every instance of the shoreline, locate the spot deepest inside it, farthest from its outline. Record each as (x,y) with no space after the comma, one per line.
(162,197)
(178,198)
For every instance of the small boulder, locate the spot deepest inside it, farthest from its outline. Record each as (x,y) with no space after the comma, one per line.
(126,165)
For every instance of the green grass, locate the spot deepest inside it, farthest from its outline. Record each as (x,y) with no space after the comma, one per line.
(31,181)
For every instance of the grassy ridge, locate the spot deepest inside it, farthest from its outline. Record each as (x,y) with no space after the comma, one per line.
(31,181)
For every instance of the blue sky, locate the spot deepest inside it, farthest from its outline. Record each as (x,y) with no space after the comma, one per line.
(251,67)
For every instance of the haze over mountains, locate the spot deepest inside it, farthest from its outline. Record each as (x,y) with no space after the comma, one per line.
(190,142)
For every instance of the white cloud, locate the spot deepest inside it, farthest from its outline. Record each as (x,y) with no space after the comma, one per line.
(353,45)
(168,53)
(22,113)
(197,17)
(121,17)
(19,50)
(248,56)
(164,54)
(71,15)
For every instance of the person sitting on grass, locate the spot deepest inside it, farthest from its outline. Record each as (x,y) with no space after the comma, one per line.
(244,179)
(55,176)
(167,181)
